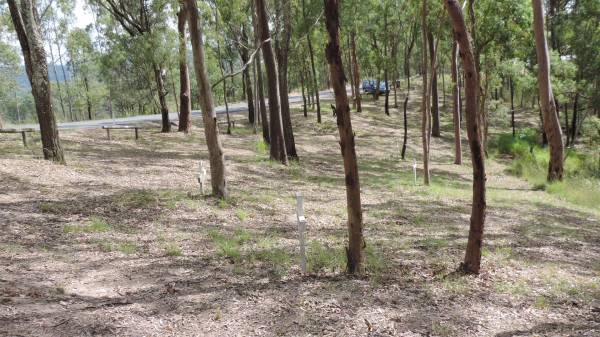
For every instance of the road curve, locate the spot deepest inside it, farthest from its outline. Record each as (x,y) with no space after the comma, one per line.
(235,108)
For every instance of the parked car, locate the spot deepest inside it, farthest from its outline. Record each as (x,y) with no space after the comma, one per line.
(369,86)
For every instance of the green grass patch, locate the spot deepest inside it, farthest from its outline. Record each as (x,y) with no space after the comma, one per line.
(262,148)
(430,243)
(441,329)
(581,182)
(457,284)
(230,245)
(51,207)
(95,225)
(324,258)
(241,214)
(127,248)
(516,288)
(172,249)
(152,198)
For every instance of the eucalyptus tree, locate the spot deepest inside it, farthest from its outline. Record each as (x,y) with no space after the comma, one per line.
(82,61)
(185,101)
(277,148)
(145,22)
(9,70)
(472,262)
(26,21)
(425,101)
(211,129)
(309,12)
(551,122)
(283,35)
(260,95)
(492,36)
(354,251)
(456,104)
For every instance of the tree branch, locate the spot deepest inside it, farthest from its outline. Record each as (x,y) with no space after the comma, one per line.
(239,71)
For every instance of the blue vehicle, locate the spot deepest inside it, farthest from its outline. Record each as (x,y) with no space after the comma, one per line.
(370,87)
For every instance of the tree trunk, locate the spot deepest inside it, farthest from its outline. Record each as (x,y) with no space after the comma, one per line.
(62,67)
(249,94)
(302,82)
(317,100)
(278,150)
(355,227)
(385,66)
(282,46)
(412,38)
(60,98)
(355,72)
(551,123)
(574,120)
(456,105)
(87,97)
(222,69)
(260,95)
(472,261)
(28,32)
(185,105)
(349,66)
(512,106)
(405,138)
(442,73)
(425,104)
(566,107)
(211,129)
(435,111)
(162,97)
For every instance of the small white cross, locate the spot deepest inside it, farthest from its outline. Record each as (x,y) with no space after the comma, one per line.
(201,176)
(301,230)
(415,170)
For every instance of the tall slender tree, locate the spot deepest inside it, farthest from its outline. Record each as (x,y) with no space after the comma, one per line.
(435,111)
(260,95)
(425,104)
(211,129)
(277,150)
(311,53)
(551,122)
(456,104)
(472,262)
(26,21)
(354,251)
(185,105)
(142,18)
(355,72)
(282,46)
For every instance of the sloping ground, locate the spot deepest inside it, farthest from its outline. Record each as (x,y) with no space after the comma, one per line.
(120,242)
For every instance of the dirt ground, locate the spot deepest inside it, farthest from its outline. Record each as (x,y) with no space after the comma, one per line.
(120,242)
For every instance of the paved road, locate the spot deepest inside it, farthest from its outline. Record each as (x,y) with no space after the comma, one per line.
(235,108)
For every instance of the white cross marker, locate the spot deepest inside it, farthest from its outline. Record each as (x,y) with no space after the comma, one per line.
(415,170)
(201,176)
(301,230)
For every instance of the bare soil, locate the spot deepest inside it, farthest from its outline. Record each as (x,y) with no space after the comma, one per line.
(120,242)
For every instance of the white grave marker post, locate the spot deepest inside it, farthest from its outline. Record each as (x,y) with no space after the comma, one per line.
(301,230)
(415,170)
(201,176)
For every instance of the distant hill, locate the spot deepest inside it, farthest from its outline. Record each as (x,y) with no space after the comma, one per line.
(24,81)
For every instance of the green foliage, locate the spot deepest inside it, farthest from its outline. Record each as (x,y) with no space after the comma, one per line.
(241,214)
(95,225)
(230,245)
(581,170)
(262,147)
(324,258)
(172,249)
(127,248)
